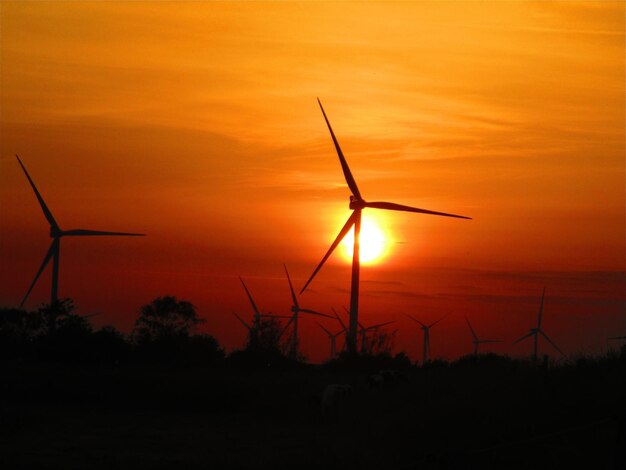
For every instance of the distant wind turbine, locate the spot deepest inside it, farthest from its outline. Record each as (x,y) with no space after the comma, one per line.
(479,341)
(535,332)
(333,339)
(56,234)
(426,331)
(296,310)
(357,204)
(363,330)
(256,319)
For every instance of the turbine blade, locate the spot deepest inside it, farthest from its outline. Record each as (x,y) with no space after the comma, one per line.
(543,294)
(374,327)
(293,294)
(96,233)
(44,208)
(89,315)
(433,324)
(256,310)
(286,326)
(53,246)
(338,318)
(471,329)
(344,164)
(399,207)
(551,342)
(313,312)
(327,332)
(269,315)
(523,337)
(342,233)
(242,321)
(415,319)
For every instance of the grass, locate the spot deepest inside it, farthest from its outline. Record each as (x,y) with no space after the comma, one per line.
(497,413)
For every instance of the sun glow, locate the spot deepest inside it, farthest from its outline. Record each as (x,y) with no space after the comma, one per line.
(374,245)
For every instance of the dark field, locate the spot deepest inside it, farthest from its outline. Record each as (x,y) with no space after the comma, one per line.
(497,413)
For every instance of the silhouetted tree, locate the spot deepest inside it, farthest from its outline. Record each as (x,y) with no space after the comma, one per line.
(203,349)
(164,330)
(265,335)
(109,346)
(67,337)
(18,328)
(56,312)
(165,319)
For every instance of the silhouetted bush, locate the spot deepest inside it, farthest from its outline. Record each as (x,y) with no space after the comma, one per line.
(368,362)
(261,359)
(108,346)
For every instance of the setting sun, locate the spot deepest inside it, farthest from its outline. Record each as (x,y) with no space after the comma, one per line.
(374,244)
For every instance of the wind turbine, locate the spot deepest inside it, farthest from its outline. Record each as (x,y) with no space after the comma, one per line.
(363,331)
(343,325)
(256,319)
(255,327)
(296,310)
(333,339)
(534,332)
(357,204)
(479,341)
(426,330)
(56,234)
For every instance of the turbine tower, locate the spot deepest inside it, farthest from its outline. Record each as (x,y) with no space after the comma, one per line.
(295,311)
(426,330)
(535,332)
(479,341)
(357,204)
(56,234)
(343,325)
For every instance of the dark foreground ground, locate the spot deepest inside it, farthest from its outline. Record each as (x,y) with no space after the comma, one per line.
(496,414)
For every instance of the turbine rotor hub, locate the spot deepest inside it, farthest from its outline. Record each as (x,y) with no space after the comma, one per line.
(55,232)
(356,203)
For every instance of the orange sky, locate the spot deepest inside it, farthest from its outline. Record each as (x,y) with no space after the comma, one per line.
(197,123)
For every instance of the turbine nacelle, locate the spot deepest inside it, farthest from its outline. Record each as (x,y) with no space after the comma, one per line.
(356,203)
(55,232)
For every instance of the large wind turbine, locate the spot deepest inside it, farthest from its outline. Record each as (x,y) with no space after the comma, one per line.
(534,332)
(426,330)
(357,204)
(296,310)
(56,234)
(479,341)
